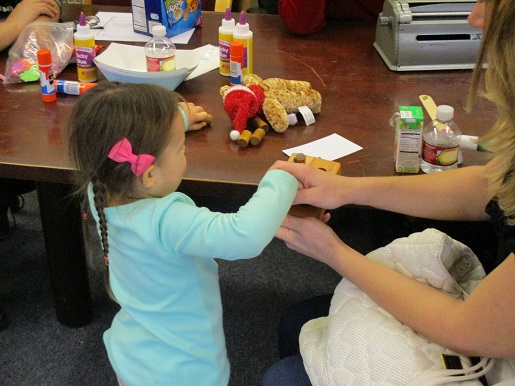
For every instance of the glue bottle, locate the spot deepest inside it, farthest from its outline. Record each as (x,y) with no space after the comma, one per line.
(46,75)
(243,34)
(160,51)
(85,51)
(225,36)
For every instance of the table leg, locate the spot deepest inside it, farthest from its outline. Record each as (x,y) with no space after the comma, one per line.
(64,242)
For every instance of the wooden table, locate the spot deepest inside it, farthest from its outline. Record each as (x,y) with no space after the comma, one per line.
(359,95)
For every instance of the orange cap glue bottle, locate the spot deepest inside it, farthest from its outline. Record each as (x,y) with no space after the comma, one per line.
(46,76)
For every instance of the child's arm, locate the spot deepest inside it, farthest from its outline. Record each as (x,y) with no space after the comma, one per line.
(196,115)
(200,232)
(26,12)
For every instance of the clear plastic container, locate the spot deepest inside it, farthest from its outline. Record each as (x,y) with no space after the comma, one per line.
(441,139)
(160,51)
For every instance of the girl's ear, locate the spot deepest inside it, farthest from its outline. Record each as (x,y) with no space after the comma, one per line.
(148,178)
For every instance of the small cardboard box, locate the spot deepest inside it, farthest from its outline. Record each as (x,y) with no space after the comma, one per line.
(177,16)
(408,139)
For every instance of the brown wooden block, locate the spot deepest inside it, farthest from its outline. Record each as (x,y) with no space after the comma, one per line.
(257,136)
(209,119)
(305,210)
(243,140)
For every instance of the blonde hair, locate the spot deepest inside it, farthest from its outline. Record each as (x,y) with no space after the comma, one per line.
(498,48)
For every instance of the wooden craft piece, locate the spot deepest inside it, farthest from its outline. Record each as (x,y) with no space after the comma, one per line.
(260,129)
(305,210)
(243,140)
(208,119)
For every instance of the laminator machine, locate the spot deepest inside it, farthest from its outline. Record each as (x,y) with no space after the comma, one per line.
(414,35)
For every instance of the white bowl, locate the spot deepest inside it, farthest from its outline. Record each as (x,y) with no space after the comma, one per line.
(126,63)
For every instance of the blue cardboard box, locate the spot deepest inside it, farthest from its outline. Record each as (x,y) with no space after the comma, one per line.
(177,16)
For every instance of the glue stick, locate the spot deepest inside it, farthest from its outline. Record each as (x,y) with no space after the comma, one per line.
(243,34)
(225,35)
(46,75)
(72,88)
(85,51)
(236,63)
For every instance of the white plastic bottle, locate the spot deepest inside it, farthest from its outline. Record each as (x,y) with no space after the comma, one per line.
(85,51)
(225,32)
(160,51)
(441,139)
(243,34)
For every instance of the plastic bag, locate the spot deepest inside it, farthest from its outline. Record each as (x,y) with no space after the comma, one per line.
(22,63)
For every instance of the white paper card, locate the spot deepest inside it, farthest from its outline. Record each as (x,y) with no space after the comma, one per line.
(209,60)
(332,147)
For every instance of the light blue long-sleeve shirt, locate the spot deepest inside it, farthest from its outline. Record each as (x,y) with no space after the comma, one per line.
(169,330)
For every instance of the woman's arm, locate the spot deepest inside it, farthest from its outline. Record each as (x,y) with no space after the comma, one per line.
(26,12)
(481,325)
(459,194)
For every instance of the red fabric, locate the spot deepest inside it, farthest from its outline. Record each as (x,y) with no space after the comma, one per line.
(260,95)
(304,17)
(243,103)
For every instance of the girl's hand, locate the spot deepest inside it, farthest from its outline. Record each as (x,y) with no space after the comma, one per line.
(196,115)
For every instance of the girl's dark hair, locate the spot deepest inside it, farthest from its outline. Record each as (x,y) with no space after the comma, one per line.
(104,115)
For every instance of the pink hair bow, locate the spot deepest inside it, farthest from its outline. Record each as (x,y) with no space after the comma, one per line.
(122,152)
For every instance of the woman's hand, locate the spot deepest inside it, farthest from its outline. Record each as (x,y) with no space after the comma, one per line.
(196,115)
(312,238)
(319,188)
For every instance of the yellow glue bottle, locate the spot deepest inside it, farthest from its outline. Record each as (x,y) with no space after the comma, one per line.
(85,51)
(225,34)
(243,34)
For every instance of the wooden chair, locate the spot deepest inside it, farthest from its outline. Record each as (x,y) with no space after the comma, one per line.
(218,6)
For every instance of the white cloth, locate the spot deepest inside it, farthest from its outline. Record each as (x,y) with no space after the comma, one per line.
(359,343)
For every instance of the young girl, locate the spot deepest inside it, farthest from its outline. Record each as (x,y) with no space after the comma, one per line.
(128,143)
